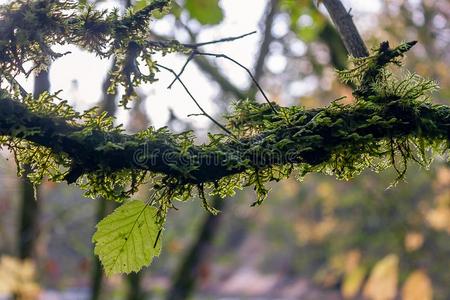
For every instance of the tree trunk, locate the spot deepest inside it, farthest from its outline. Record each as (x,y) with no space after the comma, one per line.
(29,212)
(186,276)
(134,286)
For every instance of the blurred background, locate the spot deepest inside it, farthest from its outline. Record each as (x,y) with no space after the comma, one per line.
(316,239)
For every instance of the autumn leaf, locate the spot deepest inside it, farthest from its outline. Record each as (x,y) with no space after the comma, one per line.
(382,283)
(17,277)
(353,282)
(417,287)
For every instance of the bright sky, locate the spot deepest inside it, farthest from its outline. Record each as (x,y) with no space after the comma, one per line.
(88,72)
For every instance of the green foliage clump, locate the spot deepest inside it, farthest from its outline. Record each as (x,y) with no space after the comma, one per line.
(207,12)
(29,28)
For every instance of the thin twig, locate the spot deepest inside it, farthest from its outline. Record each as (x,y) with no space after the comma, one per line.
(191,56)
(194,46)
(228,39)
(165,43)
(209,69)
(246,69)
(195,101)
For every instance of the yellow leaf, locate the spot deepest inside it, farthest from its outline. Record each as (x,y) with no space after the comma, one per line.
(17,277)
(382,283)
(353,282)
(417,287)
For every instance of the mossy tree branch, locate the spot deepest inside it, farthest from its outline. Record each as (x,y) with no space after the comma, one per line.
(308,140)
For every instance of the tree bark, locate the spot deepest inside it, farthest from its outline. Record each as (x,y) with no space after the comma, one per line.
(346,28)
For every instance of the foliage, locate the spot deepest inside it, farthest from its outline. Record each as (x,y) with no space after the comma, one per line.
(305,20)
(104,33)
(391,122)
(207,12)
(382,282)
(343,229)
(128,238)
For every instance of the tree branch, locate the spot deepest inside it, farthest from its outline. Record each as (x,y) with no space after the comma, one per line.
(312,142)
(212,71)
(353,133)
(346,28)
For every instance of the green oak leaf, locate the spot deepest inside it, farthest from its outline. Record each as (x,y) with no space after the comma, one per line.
(125,240)
(207,12)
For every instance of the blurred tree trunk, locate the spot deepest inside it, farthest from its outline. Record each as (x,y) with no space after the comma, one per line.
(29,215)
(134,287)
(29,212)
(134,279)
(138,121)
(104,207)
(97,271)
(187,274)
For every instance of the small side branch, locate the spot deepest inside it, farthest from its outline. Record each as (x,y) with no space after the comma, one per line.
(219,55)
(177,77)
(227,39)
(196,52)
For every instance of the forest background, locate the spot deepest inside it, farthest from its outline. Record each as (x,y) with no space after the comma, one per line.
(315,239)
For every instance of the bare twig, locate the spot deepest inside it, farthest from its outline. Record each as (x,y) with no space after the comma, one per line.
(190,57)
(227,39)
(220,55)
(195,100)
(169,43)
(195,46)
(214,73)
